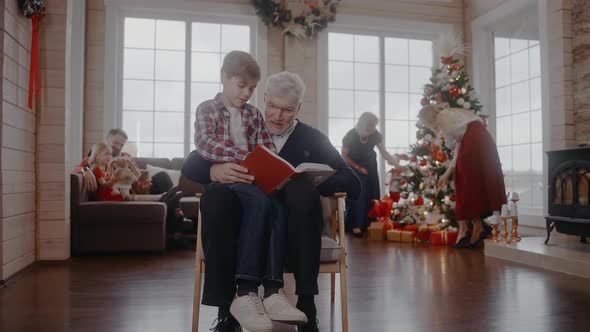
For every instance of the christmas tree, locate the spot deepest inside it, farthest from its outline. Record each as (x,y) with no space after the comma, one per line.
(414,185)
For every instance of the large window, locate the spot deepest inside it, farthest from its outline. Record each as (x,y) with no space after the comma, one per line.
(168,68)
(519,124)
(367,71)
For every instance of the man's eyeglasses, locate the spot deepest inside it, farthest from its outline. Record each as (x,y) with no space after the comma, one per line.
(285,110)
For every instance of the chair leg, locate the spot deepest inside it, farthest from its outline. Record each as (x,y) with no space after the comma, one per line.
(332,286)
(344,299)
(197,295)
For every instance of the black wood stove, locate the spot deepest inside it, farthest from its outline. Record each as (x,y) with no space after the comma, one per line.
(569,192)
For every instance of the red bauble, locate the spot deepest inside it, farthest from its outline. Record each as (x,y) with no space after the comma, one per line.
(423,162)
(439,98)
(414,159)
(453,197)
(434,151)
(456,66)
(441,157)
(447,60)
(419,201)
(454,92)
(402,182)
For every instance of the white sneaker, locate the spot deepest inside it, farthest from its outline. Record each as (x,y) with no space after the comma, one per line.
(279,309)
(248,310)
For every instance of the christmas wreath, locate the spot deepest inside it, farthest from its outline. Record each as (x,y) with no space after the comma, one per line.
(32,8)
(314,18)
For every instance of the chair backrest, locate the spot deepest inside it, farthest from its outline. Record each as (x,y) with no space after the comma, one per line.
(329,206)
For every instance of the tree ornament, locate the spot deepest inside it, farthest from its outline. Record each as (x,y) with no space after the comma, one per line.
(419,201)
(456,66)
(454,91)
(423,101)
(467,105)
(460,101)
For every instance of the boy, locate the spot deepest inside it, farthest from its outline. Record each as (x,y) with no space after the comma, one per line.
(227,128)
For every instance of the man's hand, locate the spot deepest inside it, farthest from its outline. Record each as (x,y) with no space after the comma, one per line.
(363,170)
(230,173)
(89,181)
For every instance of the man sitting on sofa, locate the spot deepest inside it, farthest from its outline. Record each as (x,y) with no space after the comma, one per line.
(297,143)
(116,139)
(161,184)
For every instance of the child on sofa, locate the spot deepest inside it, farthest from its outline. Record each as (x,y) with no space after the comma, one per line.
(99,160)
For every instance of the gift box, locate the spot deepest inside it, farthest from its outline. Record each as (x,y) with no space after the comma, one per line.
(376,231)
(397,235)
(441,238)
(433,228)
(412,228)
(423,233)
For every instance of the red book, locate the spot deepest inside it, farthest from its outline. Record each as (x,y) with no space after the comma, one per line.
(272,172)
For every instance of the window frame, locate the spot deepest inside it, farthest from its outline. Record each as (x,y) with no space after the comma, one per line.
(381,28)
(484,67)
(184,10)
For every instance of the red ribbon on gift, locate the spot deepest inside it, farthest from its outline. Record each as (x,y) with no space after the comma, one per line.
(34,86)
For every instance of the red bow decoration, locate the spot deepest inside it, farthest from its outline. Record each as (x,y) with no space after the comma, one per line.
(34,9)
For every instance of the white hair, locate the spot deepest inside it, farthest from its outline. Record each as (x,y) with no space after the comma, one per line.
(363,122)
(285,84)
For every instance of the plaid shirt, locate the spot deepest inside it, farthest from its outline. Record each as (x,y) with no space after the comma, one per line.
(213,136)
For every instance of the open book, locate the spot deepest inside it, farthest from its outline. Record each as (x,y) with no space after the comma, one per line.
(272,172)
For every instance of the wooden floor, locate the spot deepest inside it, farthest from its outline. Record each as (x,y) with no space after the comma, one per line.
(392,287)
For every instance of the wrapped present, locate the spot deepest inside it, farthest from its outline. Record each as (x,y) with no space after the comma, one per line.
(433,228)
(441,238)
(376,231)
(397,235)
(388,223)
(412,228)
(423,233)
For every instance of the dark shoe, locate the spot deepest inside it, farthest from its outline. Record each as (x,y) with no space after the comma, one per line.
(463,242)
(357,232)
(482,236)
(227,324)
(312,326)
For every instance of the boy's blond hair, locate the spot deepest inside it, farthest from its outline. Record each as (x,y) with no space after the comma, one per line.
(240,64)
(97,149)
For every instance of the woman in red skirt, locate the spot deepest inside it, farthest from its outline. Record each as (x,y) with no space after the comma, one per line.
(476,168)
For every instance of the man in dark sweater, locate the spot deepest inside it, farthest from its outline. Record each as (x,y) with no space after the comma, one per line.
(221,212)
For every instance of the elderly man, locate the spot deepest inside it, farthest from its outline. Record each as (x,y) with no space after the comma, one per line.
(116,139)
(297,143)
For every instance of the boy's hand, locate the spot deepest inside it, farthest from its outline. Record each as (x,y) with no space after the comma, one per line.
(230,173)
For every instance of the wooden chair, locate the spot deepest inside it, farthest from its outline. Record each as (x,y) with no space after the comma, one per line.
(332,257)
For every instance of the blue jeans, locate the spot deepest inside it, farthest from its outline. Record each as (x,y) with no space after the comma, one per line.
(262,244)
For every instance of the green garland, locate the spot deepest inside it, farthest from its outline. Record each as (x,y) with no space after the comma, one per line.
(315,17)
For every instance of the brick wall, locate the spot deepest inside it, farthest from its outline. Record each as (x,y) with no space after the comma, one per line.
(17,154)
(580,18)
(559,43)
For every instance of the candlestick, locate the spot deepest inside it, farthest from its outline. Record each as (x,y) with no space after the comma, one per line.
(513,210)
(504,213)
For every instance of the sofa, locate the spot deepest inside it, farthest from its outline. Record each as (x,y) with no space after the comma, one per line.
(100,227)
